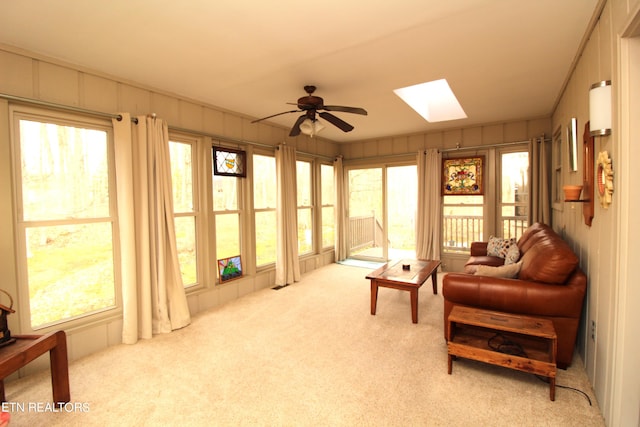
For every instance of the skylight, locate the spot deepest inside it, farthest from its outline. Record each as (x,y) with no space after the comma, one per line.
(434,101)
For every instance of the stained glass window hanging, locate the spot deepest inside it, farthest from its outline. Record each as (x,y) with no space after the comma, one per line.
(229,162)
(462,176)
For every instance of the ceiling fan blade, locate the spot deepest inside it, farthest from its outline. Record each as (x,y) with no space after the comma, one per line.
(273,115)
(346,127)
(305,107)
(295,130)
(354,110)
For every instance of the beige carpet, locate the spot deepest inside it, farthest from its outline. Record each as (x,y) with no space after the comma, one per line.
(308,354)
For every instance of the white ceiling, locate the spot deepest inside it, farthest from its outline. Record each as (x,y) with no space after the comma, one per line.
(504,59)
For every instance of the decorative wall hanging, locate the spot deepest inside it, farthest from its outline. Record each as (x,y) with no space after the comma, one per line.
(229,162)
(230,268)
(462,176)
(588,158)
(604,176)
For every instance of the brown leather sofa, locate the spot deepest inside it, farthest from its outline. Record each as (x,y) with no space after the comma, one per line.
(549,284)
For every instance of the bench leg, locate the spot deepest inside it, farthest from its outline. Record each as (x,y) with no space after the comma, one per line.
(60,370)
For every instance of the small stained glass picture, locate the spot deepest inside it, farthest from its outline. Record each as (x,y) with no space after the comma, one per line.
(462,176)
(230,268)
(229,162)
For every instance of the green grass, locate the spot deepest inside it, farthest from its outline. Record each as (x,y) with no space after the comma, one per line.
(70,272)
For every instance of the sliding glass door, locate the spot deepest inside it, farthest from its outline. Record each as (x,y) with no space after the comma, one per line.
(382,209)
(366,219)
(402,203)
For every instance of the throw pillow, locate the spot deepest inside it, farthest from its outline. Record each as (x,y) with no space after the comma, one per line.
(498,246)
(504,271)
(513,255)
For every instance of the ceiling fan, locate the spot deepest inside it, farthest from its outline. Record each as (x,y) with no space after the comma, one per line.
(310,105)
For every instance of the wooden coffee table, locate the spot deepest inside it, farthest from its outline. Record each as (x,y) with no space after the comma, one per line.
(393,275)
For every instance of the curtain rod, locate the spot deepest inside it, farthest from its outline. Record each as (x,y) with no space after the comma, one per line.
(242,141)
(478,147)
(135,120)
(475,147)
(63,107)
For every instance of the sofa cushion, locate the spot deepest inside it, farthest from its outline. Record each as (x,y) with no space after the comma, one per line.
(531,235)
(509,271)
(549,260)
(474,261)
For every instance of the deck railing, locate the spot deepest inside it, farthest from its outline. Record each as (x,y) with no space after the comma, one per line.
(362,232)
(458,232)
(513,226)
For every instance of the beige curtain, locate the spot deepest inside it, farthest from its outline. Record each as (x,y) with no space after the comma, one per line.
(287,263)
(154,300)
(429,213)
(540,192)
(340,212)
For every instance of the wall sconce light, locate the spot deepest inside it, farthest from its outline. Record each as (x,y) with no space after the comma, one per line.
(600,108)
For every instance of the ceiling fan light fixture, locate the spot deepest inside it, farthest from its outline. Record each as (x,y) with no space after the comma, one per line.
(311,127)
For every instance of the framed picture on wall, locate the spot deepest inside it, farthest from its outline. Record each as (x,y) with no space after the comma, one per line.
(230,268)
(462,176)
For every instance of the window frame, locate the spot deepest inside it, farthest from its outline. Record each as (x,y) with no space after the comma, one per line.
(256,210)
(499,226)
(321,203)
(557,196)
(239,210)
(196,211)
(16,114)
(310,207)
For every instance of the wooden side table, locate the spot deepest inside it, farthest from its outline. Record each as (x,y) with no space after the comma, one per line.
(28,348)
(471,330)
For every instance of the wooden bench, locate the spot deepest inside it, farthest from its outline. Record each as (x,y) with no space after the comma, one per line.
(28,348)
(528,344)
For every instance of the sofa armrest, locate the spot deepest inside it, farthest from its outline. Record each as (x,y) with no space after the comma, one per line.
(478,248)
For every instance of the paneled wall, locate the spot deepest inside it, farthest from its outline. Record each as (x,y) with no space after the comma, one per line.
(607,248)
(485,135)
(30,76)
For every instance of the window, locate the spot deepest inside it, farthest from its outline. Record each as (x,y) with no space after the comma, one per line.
(514,194)
(264,203)
(305,209)
(557,195)
(66,216)
(462,222)
(463,216)
(328,195)
(182,177)
(227,212)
